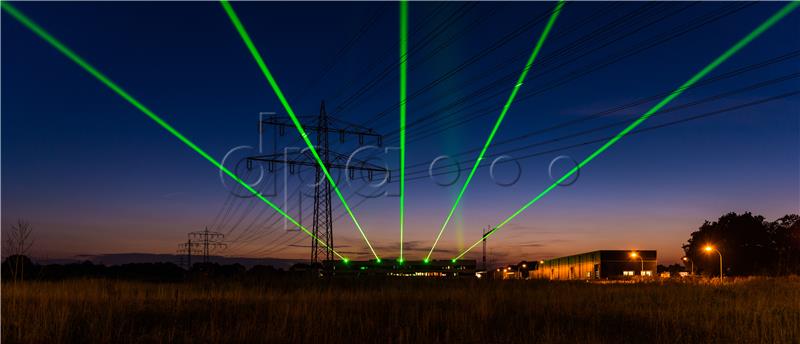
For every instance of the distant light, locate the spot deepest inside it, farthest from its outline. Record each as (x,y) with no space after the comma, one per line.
(426,261)
(541,262)
(400,261)
(685,259)
(345,260)
(453,260)
(708,248)
(524,266)
(378,260)
(634,254)
(498,269)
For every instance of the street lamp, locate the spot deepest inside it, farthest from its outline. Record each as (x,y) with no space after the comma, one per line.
(710,248)
(540,268)
(686,259)
(634,255)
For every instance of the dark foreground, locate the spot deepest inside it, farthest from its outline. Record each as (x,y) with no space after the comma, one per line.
(400,311)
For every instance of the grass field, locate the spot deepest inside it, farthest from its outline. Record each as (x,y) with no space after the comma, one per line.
(401,311)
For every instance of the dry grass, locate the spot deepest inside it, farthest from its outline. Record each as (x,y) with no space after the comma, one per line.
(401,311)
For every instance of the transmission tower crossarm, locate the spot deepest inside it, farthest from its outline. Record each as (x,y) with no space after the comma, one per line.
(355,164)
(315,128)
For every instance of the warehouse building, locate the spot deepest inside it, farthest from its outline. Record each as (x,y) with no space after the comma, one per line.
(604,264)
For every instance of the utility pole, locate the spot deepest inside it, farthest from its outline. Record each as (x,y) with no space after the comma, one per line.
(322,224)
(185,251)
(206,240)
(484,246)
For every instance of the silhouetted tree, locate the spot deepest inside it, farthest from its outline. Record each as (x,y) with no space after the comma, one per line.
(14,265)
(749,245)
(786,236)
(16,246)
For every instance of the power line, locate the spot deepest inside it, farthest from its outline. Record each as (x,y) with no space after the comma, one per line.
(530,24)
(751,87)
(485,52)
(459,13)
(617,124)
(370,22)
(387,54)
(549,85)
(602,139)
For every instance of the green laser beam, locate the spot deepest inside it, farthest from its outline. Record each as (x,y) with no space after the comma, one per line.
(39,31)
(260,61)
(403,86)
(507,105)
(689,83)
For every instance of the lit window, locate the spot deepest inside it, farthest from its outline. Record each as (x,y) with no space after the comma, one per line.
(647,273)
(627,273)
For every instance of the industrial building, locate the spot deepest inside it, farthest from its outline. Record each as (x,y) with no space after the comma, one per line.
(391,267)
(603,264)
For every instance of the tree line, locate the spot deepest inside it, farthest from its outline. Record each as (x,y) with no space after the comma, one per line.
(148,272)
(749,245)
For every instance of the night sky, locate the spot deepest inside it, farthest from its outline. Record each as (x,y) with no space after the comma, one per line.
(94,175)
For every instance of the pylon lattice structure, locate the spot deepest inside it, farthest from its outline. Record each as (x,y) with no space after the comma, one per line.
(322,223)
(201,243)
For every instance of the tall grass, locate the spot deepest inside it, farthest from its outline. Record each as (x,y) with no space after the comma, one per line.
(400,311)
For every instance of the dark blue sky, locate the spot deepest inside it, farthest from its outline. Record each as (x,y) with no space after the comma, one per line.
(94,175)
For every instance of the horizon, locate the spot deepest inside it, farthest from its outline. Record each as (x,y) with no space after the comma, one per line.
(95,177)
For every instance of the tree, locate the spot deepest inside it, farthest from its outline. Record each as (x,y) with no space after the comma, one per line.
(14,265)
(749,245)
(786,237)
(16,246)
(744,241)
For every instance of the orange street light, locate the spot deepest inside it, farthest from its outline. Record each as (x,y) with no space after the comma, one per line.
(709,249)
(686,259)
(635,255)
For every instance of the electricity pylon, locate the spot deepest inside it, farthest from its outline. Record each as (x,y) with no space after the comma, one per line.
(204,241)
(322,224)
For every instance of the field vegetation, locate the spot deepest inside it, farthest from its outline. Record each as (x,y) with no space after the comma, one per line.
(297,310)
